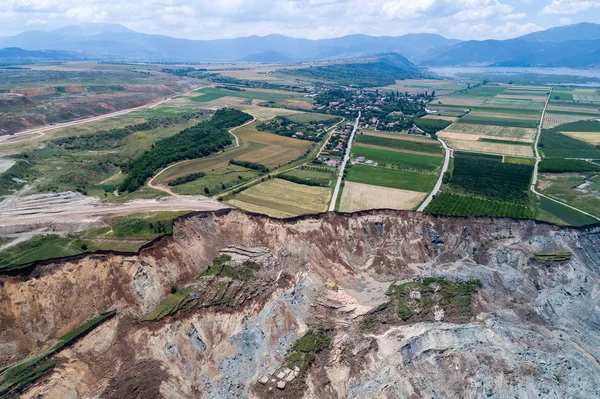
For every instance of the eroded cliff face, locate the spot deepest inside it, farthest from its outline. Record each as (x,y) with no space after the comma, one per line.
(532,329)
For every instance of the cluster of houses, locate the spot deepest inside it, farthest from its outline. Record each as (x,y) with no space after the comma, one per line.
(336,147)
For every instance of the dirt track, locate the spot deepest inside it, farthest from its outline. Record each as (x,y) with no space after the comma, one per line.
(70,216)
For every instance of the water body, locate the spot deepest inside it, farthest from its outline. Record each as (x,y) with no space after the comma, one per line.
(577,74)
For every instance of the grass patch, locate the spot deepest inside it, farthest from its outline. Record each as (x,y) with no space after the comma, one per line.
(144,225)
(391,178)
(214,93)
(398,160)
(431,126)
(569,216)
(218,180)
(305,350)
(433,148)
(551,257)
(19,376)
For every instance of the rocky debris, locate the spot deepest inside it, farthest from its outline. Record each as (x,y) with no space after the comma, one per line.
(528,330)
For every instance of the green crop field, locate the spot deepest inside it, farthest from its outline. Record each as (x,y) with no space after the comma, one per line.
(214,93)
(398,160)
(487,176)
(581,126)
(325,178)
(391,178)
(483,120)
(509,111)
(556,145)
(432,148)
(564,214)
(462,205)
(561,96)
(526,103)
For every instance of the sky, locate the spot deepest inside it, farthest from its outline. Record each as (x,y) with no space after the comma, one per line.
(313,19)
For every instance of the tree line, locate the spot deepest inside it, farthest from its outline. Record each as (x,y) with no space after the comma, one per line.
(198,141)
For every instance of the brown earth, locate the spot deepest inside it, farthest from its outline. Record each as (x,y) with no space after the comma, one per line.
(527,324)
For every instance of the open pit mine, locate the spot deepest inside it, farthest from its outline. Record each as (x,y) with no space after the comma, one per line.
(378,304)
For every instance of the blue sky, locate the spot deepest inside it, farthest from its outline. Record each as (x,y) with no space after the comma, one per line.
(201,19)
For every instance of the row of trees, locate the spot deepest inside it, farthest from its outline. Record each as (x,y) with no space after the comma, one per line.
(198,141)
(114,138)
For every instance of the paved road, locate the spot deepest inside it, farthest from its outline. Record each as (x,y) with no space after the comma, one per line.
(438,185)
(32,134)
(538,159)
(336,191)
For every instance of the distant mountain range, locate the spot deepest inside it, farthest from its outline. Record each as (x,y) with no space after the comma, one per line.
(569,46)
(108,41)
(566,46)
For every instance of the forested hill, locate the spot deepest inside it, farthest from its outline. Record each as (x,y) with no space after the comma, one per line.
(198,141)
(379,70)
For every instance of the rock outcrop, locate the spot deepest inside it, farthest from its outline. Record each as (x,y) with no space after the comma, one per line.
(524,329)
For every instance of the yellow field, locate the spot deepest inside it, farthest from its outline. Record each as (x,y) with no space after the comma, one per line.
(359,196)
(269,113)
(491,148)
(589,137)
(509,132)
(443,118)
(281,198)
(538,98)
(465,101)
(476,137)
(506,116)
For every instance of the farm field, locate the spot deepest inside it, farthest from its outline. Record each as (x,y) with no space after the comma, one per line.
(400,143)
(576,189)
(462,205)
(392,178)
(553,119)
(281,198)
(556,145)
(396,135)
(589,137)
(516,150)
(217,181)
(505,132)
(325,178)
(398,160)
(214,93)
(268,149)
(553,212)
(502,120)
(441,117)
(269,113)
(504,115)
(359,196)
(487,176)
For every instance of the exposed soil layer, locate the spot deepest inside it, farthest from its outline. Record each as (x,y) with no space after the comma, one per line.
(525,329)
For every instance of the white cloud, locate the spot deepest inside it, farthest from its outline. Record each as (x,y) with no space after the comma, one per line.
(209,19)
(513,17)
(562,7)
